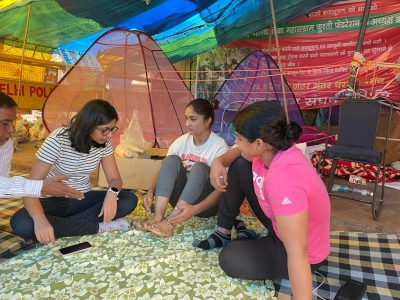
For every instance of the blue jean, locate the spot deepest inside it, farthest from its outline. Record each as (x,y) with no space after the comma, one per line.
(72,217)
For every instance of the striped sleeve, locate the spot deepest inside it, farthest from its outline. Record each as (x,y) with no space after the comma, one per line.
(108,149)
(50,151)
(6,152)
(19,186)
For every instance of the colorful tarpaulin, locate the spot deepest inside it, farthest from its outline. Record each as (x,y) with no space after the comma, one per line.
(183,28)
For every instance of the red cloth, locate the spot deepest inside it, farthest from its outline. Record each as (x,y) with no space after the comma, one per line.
(346,168)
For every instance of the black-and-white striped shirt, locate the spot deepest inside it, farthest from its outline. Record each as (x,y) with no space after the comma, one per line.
(65,160)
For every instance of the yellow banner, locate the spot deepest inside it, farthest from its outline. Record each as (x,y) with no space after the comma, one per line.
(31,95)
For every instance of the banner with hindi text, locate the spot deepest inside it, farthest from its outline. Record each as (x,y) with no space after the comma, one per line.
(316,51)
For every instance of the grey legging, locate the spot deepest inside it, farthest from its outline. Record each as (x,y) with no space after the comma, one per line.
(174,184)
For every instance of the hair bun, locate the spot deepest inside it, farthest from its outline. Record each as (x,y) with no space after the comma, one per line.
(293,131)
(214,103)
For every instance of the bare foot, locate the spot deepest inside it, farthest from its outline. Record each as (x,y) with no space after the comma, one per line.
(140,226)
(144,225)
(162,229)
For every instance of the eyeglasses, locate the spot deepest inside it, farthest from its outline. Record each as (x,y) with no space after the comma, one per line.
(108,130)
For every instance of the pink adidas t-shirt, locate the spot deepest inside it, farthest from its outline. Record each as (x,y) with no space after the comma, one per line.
(289,186)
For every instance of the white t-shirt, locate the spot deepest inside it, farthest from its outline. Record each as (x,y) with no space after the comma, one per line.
(189,153)
(65,160)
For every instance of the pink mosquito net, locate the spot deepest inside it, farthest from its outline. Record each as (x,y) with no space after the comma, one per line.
(128,69)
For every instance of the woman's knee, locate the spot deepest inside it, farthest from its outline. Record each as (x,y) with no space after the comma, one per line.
(200,167)
(171,160)
(227,258)
(22,224)
(240,164)
(172,164)
(127,201)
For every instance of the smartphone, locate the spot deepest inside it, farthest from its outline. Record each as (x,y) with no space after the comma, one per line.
(75,248)
(351,290)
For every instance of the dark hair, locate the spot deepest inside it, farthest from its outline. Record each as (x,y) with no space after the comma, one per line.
(6,101)
(204,107)
(216,68)
(266,120)
(92,114)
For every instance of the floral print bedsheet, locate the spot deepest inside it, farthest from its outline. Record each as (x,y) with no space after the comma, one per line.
(130,265)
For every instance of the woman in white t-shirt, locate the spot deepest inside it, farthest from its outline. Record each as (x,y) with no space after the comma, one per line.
(77,150)
(184,177)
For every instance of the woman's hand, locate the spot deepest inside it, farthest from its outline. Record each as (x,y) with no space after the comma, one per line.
(148,201)
(43,230)
(109,208)
(218,176)
(188,211)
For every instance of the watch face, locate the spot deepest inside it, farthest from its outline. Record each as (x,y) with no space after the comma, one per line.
(115,190)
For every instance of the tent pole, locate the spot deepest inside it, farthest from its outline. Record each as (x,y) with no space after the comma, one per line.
(190,74)
(269,39)
(279,61)
(363,27)
(28,16)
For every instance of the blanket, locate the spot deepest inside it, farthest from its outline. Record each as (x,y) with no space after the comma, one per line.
(130,265)
(367,257)
(139,265)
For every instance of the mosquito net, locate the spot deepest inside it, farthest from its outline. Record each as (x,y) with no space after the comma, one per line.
(256,78)
(128,69)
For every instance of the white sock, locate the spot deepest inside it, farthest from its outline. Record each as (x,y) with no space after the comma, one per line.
(118,224)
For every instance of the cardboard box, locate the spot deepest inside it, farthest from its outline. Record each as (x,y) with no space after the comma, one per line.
(157,152)
(135,173)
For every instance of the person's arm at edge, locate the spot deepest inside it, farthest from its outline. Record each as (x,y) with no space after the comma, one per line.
(293,230)
(18,186)
(218,170)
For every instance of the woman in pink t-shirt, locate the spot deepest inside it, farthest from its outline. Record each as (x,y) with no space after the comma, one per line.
(284,192)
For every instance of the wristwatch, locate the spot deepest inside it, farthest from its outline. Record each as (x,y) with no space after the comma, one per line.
(113,190)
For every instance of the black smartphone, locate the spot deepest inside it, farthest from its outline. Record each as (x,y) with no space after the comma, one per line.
(351,290)
(75,248)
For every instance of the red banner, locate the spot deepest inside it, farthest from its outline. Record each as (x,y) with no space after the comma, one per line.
(317,51)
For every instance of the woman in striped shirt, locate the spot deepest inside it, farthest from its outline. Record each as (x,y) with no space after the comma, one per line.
(77,150)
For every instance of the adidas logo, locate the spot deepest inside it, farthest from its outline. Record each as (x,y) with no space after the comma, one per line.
(286,201)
